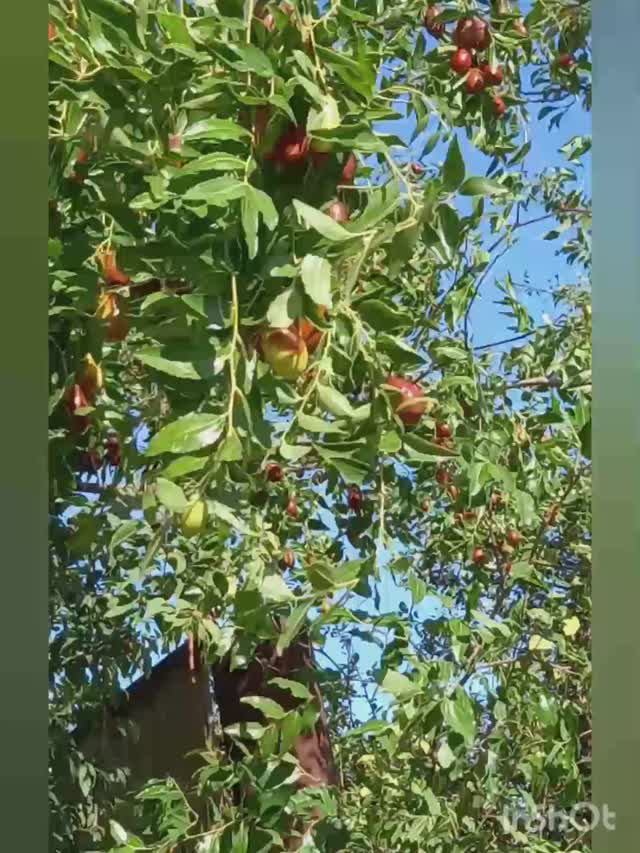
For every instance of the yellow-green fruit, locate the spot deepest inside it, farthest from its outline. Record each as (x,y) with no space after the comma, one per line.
(194,519)
(286,352)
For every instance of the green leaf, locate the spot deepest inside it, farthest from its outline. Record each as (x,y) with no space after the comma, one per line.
(294,687)
(585,440)
(521,571)
(268,707)
(325,576)
(379,315)
(171,495)
(321,223)
(215,128)
(351,470)
(256,204)
(189,433)
(571,626)
(293,452)
(526,508)
(275,589)
(421,448)
(358,75)
(223,512)
(125,531)
(253,59)
(152,357)
(453,170)
(118,833)
(445,756)
(334,402)
(325,117)
(482,186)
(390,442)
(230,449)
(219,161)
(399,685)
(175,26)
(183,466)
(292,627)
(249,219)
(459,715)
(285,308)
(316,278)
(539,644)
(312,423)
(217,191)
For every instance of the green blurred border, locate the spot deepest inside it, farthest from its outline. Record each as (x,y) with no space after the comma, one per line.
(23,315)
(616,303)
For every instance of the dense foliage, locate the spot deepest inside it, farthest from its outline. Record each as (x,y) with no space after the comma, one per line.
(259,216)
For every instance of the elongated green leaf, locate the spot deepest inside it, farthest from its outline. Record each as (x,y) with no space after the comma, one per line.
(215,128)
(189,433)
(219,161)
(321,223)
(152,357)
(224,513)
(285,308)
(453,171)
(292,627)
(294,687)
(217,191)
(316,278)
(399,685)
(383,317)
(253,59)
(183,466)
(459,715)
(125,531)
(268,707)
(482,186)
(171,495)
(334,401)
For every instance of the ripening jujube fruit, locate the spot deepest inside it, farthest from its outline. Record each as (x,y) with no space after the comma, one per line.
(112,273)
(410,414)
(461,61)
(349,169)
(354,499)
(472,34)
(437,30)
(475,82)
(338,211)
(479,556)
(113,451)
(443,477)
(499,106)
(288,559)
(274,472)
(514,538)
(566,60)
(292,508)
(493,74)
(286,352)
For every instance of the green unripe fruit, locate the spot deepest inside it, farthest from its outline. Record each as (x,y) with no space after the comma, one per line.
(194,519)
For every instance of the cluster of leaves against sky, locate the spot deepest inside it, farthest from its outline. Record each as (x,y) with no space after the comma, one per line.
(180,234)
